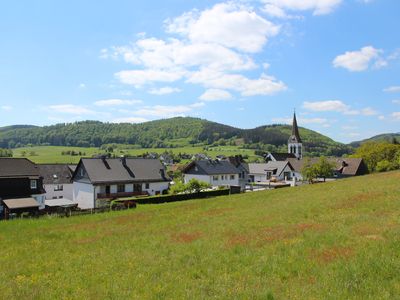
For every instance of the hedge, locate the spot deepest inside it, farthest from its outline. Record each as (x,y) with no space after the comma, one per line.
(181,197)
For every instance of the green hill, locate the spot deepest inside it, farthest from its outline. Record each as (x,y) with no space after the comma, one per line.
(174,132)
(337,240)
(386,137)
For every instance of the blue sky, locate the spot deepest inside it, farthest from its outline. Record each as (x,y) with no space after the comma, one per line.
(242,63)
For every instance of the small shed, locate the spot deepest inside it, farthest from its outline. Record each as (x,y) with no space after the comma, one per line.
(20,205)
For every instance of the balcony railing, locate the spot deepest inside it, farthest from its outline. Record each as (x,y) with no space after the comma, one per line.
(120,195)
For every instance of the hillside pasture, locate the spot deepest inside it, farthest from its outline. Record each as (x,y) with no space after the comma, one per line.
(336,240)
(53,154)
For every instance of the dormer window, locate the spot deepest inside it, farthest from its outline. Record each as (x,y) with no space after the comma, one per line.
(33,184)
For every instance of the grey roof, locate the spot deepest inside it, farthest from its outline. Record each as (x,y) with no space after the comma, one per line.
(55,173)
(211,167)
(261,168)
(282,156)
(347,166)
(111,170)
(21,203)
(17,167)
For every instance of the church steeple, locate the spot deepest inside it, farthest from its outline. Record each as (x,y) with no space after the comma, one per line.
(295,137)
(295,145)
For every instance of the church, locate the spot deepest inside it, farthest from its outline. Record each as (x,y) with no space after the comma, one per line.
(344,167)
(295,146)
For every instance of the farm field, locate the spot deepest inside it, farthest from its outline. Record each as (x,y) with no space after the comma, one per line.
(336,240)
(52,154)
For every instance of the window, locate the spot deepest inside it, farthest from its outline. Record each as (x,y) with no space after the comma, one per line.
(286,175)
(147,186)
(81,172)
(58,187)
(33,184)
(232,177)
(121,188)
(215,178)
(269,175)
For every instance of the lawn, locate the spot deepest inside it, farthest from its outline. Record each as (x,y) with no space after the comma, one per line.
(52,154)
(336,240)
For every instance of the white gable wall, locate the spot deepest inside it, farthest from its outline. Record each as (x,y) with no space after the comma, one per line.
(155,187)
(84,195)
(215,180)
(66,192)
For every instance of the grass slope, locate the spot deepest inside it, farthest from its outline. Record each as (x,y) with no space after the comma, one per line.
(337,240)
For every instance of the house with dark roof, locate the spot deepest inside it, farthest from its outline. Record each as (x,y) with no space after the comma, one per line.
(242,167)
(57,180)
(215,172)
(21,186)
(271,171)
(97,180)
(343,167)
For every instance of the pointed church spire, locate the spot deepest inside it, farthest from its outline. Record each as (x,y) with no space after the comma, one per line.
(295,137)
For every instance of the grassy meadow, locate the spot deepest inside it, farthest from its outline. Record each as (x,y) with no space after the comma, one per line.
(52,154)
(336,240)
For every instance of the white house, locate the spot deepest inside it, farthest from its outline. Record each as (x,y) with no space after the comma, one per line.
(57,180)
(214,172)
(272,170)
(97,180)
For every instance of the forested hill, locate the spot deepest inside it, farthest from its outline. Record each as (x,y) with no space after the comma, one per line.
(179,131)
(386,137)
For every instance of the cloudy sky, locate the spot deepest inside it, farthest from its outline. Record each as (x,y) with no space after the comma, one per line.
(243,63)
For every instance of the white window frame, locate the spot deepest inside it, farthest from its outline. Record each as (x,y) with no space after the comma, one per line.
(33,184)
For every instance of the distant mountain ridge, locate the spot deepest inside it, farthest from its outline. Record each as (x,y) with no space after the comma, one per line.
(385,137)
(174,132)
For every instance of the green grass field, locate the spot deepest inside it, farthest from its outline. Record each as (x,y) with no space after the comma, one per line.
(337,240)
(52,154)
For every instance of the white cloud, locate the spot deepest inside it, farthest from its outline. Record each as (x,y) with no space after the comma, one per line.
(319,7)
(301,120)
(368,111)
(265,85)
(129,120)
(159,54)
(337,106)
(141,77)
(329,105)
(215,94)
(6,107)
(116,102)
(381,117)
(165,111)
(392,89)
(357,61)
(218,41)
(396,115)
(164,90)
(396,101)
(274,11)
(82,86)
(70,109)
(228,24)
